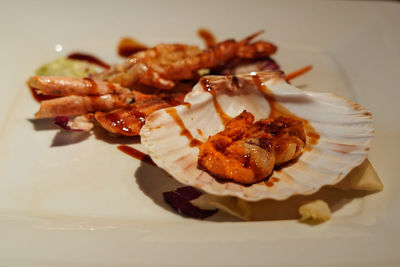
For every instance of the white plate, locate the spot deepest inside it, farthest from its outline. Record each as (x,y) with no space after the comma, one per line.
(88,203)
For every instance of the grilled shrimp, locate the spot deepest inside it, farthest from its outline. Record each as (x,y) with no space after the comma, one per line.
(129,120)
(77,105)
(246,152)
(78,96)
(165,64)
(162,67)
(146,67)
(64,86)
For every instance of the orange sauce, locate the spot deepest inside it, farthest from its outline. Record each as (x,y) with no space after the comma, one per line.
(92,85)
(275,179)
(90,59)
(297,73)
(129,46)
(188,105)
(208,37)
(269,183)
(123,126)
(225,118)
(184,132)
(136,154)
(288,163)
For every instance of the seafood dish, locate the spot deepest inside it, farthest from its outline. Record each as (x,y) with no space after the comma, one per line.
(224,121)
(333,134)
(153,78)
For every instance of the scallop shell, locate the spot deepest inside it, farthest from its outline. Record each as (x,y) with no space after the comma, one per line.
(345,129)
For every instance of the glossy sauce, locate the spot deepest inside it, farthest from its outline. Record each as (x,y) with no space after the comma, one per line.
(269,183)
(225,118)
(286,164)
(136,154)
(89,58)
(124,126)
(92,84)
(297,73)
(128,46)
(278,110)
(184,132)
(188,105)
(208,37)
(275,179)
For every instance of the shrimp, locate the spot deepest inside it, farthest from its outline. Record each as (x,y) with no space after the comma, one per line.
(76,96)
(64,86)
(246,152)
(76,105)
(158,70)
(164,65)
(129,120)
(146,67)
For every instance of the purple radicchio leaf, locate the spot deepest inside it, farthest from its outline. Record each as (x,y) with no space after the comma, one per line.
(62,122)
(180,199)
(268,64)
(239,66)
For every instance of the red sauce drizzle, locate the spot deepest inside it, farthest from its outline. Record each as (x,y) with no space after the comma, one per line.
(184,132)
(90,59)
(278,110)
(92,84)
(269,183)
(287,164)
(136,154)
(225,118)
(297,73)
(205,83)
(208,37)
(123,126)
(129,46)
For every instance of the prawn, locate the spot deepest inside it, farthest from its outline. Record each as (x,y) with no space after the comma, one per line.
(164,65)
(75,96)
(246,152)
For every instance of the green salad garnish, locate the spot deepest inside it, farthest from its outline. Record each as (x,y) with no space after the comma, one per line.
(67,67)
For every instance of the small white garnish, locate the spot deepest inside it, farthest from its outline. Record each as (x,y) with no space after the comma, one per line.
(315,211)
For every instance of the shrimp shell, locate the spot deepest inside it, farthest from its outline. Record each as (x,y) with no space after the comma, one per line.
(64,86)
(77,105)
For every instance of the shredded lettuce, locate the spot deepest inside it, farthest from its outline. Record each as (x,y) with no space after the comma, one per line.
(67,67)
